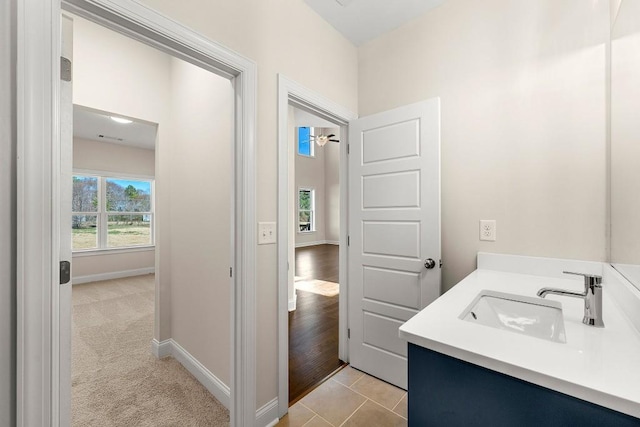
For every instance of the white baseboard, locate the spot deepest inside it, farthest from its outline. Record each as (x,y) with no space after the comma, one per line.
(319,242)
(112,275)
(161,349)
(292,303)
(267,416)
(212,383)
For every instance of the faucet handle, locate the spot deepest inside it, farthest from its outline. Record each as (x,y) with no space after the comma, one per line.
(590,280)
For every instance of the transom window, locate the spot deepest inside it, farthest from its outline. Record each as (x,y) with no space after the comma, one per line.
(306,210)
(305,141)
(110,212)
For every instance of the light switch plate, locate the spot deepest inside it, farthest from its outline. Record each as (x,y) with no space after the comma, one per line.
(488,230)
(266,233)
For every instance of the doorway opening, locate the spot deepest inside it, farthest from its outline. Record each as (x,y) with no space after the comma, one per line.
(44,292)
(315,226)
(115,378)
(301,215)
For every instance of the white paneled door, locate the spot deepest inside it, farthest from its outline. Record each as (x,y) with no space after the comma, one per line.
(394,232)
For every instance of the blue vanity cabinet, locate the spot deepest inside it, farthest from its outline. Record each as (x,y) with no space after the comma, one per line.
(448,392)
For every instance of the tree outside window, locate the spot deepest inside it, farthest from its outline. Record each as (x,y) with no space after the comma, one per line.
(111,212)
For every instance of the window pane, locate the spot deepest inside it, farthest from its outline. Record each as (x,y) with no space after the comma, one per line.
(85,194)
(305,200)
(304,220)
(84,232)
(125,195)
(304,141)
(128,230)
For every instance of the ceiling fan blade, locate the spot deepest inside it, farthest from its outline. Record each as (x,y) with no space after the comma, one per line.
(331,135)
(334,140)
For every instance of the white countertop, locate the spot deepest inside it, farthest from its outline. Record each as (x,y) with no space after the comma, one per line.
(599,365)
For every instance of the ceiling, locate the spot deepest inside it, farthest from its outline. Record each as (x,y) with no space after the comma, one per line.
(97,125)
(364,20)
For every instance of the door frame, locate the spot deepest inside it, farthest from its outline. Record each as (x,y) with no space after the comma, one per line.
(293,93)
(38,196)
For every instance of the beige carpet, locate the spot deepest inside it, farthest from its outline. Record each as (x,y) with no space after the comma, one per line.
(116,381)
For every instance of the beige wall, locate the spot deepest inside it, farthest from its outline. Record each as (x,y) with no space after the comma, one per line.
(201,106)
(522,88)
(91,265)
(625,149)
(106,157)
(7,214)
(282,36)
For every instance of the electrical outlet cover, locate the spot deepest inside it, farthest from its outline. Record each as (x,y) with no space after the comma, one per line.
(488,230)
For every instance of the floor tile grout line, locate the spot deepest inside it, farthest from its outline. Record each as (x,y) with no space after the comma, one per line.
(315,415)
(387,409)
(347,419)
(367,397)
(396,405)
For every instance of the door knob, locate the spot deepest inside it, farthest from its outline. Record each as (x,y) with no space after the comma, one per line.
(429,264)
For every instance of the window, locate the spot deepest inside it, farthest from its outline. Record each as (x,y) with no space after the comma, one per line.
(306,210)
(305,141)
(109,213)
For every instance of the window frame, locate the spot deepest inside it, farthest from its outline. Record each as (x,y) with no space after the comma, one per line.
(102,215)
(312,210)
(311,142)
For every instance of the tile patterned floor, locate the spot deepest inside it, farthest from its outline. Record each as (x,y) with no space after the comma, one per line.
(350,398)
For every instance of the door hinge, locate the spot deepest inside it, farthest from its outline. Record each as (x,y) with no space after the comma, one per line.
(65,272)
(65,69)
(348,240)
(349,333)
(348,148)
(230,271)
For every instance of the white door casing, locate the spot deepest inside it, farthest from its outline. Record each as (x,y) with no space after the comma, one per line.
(394,226)
(293,93)
(66,193)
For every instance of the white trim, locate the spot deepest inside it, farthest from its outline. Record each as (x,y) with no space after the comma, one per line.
(212,383)
(292,303)
(316,243)
(267,415)
(38,169)
(290,92)
(112,275)
(161,349)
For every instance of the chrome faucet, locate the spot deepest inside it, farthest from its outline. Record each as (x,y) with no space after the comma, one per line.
(592,296)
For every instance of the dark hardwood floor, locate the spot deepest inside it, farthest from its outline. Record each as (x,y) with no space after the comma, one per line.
(317,262)
(313,326)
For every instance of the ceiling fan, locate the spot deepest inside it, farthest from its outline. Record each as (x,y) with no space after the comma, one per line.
(322,139)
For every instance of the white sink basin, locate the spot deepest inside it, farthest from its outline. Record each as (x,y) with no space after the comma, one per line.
(517,313)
